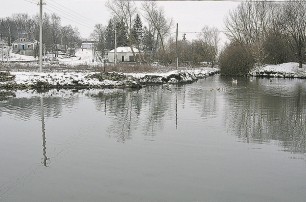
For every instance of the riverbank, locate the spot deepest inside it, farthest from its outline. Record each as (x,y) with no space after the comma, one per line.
(83,80)
(285,70)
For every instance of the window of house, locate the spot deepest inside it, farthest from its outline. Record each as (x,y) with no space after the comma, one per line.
(15,46)
(29,46)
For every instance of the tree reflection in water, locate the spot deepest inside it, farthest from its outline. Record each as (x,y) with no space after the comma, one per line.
(264,111)
(129,111)
(255,110)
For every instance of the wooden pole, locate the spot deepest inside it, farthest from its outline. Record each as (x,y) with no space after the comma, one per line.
(40,35)
(115,51)
(176,46)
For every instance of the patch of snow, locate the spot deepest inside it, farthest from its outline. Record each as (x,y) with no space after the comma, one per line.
(194,73)
(281,70)
(83,79)
(82,57)
(21,58)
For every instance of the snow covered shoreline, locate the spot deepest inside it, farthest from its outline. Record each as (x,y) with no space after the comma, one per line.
(285,70)
(82,80)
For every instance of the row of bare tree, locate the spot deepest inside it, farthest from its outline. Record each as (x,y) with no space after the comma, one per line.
(54,33)
(153,35)
(272,32)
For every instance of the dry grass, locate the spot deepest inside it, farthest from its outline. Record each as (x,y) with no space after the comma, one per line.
(124,68)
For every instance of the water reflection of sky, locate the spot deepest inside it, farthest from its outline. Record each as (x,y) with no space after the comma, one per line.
(207,141)
(255,110)
(265,110)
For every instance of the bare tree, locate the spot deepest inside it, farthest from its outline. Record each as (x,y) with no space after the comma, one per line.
(293,24)
(209,37)
(249,25)
(98,35)
(155,17)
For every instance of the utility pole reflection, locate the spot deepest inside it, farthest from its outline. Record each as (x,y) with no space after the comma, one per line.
(176,107)
(45,158)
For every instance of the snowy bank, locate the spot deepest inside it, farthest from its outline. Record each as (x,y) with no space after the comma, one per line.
(81,80)
(286,70)
(174,77)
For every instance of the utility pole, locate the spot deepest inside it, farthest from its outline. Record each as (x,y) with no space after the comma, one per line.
(40,34)
(2,51)
(176,46)
(8,54)
(115,51)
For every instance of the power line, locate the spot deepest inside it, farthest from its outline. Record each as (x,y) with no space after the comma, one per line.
(69,18)
(74,16)
(29,1)
(78,14)
(66,15)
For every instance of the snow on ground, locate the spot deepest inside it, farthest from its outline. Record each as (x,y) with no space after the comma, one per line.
(205,71)
(290,70)
(79,79)
(82,57)
(59,78)
(21,58)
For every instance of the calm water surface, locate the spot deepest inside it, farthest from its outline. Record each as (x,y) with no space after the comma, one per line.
(206,141)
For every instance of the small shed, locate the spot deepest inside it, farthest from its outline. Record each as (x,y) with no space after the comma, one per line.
(123,54)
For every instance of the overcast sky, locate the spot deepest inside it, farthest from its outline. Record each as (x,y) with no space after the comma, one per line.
(84,14)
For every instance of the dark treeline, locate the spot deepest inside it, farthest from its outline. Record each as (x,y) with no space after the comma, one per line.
(264,33)
(53,32)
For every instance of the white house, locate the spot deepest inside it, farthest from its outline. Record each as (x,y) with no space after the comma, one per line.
(24,46)
(123,54)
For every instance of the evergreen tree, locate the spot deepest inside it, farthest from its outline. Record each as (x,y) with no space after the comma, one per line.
(122,39)
(137,31)
(148,40)
(110,36)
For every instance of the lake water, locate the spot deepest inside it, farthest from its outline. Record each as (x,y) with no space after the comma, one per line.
(207,141)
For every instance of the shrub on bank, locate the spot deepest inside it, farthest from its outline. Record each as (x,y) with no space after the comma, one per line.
(236,60)
(6,76)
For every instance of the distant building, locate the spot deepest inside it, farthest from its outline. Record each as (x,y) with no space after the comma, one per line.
(88,45)
(124,54)
(24,46)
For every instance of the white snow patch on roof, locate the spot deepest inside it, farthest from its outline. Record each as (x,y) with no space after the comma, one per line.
(125,50)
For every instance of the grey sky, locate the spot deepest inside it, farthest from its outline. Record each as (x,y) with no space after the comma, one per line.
(84,14)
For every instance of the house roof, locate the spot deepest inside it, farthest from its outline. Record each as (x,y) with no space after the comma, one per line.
(124,50)
(25,42)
